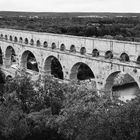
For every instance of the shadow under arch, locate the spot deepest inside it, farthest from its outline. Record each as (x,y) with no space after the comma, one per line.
(53,66)
(81,71)
(28,61)
(10,56)
(121,85)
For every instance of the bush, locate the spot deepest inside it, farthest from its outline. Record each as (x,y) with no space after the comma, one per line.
(60,111)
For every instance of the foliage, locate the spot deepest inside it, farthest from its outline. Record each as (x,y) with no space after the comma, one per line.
(54,110)
(120,28)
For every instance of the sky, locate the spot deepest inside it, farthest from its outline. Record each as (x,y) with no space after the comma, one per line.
(71,5)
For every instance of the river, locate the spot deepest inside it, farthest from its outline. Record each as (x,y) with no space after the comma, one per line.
(126,92)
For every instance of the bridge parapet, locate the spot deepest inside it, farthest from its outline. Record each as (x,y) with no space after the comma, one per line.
(83,45)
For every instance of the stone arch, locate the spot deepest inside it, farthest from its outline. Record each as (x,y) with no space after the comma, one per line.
(1,57)
(10,56)
(45,44)
(1,35)
(109,55)
(110,80)
(62,47)
(38,43)
(11,38)
(53,66)
(20,39)
(6,37)
(82,50)
(26,41)
(31,42)
(15,39)
(72,48)
(53,45)
(95,53)
(118,80)
(81,71)
(28,61)
(124,57)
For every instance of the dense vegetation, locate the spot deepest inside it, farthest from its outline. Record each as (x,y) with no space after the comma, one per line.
(61,111)
(121,28)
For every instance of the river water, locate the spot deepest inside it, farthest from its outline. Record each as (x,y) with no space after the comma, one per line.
(126,92)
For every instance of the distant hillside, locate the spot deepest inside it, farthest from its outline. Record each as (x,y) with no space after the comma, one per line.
(73,14)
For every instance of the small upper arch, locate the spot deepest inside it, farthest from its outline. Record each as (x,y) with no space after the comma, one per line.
(20,39)
(72,48)
(11,38)
(62,47)
(38,43)
(82,50)
(1,35)
(45,44)
(109,55)
(26,41)
(124,57)
(95,53)
(15,39)
(53,45)
(6,37)
(31,42)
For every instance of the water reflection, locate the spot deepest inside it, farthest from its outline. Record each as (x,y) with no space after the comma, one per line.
(126,92)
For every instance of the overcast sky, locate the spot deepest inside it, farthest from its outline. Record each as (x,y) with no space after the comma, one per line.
(71,5)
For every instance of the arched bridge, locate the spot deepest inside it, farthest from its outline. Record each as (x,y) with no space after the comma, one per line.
(69,57)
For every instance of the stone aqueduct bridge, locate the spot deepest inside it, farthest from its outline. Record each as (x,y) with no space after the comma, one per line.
(100,59)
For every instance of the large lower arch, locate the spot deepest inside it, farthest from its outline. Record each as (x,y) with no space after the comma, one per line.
(122,85)
(81,71)
(10,56)
(28,61)
(52,66)
(1,57)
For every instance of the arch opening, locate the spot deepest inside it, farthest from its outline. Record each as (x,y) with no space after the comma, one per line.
(38,43)
(20,40)
(52,66)
(109,55)
(53,45)
(95,53)
(15,39)
(81,71)
(11,38)
(1,57)
(122,86)
(26,41)
(31,42)
(83,50)
(124,57)
(28,61)
(10,56)
(1,36)
(45,44)
(72,49)
(62,47)
(6,37)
